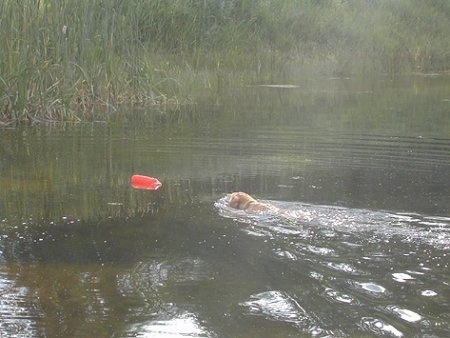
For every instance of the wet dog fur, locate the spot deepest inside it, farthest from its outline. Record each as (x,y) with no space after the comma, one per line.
(243,201)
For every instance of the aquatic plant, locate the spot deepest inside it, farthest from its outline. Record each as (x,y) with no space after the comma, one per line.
(65,60)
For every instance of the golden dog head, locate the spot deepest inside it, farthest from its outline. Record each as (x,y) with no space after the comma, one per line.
(243,201)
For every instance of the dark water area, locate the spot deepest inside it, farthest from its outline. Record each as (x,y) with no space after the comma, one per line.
(360,248)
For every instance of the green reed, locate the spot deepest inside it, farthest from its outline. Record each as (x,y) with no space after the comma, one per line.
(71,60)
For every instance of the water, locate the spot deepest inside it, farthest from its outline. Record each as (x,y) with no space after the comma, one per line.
(360,249)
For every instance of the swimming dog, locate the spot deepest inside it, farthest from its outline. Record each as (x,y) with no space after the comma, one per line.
(243,201)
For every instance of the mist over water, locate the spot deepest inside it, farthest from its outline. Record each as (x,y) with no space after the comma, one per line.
(359,247)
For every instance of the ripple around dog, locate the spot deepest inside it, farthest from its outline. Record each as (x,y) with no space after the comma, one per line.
(377,225)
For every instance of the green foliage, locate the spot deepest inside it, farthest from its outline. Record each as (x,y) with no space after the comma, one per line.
(63,59)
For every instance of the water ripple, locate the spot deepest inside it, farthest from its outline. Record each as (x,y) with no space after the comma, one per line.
(18,310)
(405,314)
(279,306)
(170,322)
(340,297)
(370,288)
(358,263)
(379,327)
(275,305)
(344,267)
(402,277)
(333,221)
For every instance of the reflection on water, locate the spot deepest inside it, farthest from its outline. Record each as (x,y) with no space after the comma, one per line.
(174,323)
(277,306)
(19,310)
(379,327)
(359,247)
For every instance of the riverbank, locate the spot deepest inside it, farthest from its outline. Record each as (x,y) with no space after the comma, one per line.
(65,61)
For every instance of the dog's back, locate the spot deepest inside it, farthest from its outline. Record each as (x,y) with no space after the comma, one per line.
(243,201)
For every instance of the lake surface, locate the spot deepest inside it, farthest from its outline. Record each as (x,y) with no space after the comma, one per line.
(360,170)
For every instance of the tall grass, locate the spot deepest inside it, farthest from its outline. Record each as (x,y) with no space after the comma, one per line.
(66,59)
(69,60)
